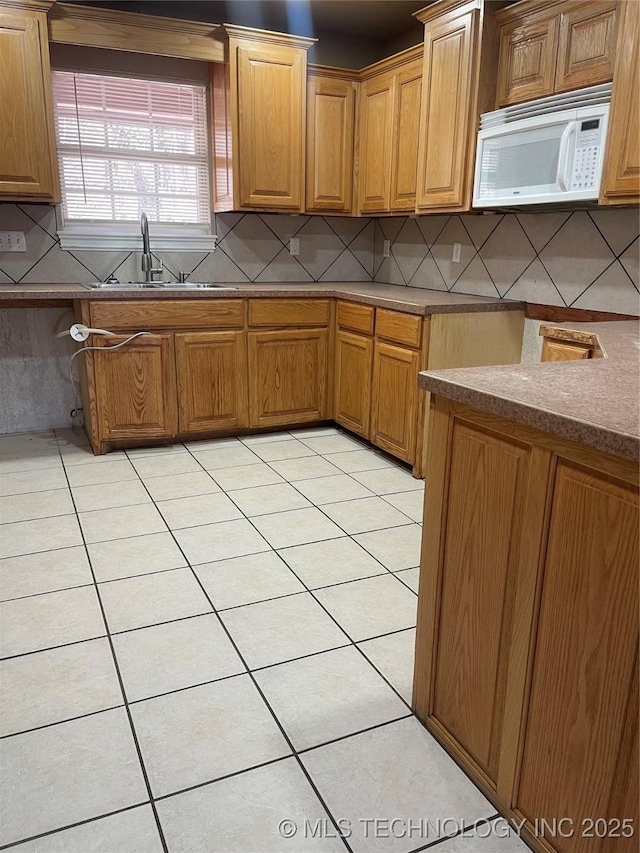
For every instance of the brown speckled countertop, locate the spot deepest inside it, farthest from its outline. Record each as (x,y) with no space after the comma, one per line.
(595,402)
(412,300)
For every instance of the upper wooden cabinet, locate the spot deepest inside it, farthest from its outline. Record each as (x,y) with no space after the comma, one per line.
(554,47)
(621,176)
(331,103)
(460,57)
(389,120)
(258,121)
(28,162)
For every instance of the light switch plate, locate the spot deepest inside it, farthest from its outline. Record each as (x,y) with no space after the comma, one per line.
(12,241)
(457,248)
(294,246)
(386,248)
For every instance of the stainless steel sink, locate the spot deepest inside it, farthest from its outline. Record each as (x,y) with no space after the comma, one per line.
(154,285)
(191,285)
(113,285)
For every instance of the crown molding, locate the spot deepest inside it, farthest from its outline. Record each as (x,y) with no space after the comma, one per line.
(393,62)
(315,70)
(232,31)
(29,5)
(441,7)
(527,7)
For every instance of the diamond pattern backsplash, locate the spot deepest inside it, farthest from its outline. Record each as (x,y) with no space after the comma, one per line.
(583,259)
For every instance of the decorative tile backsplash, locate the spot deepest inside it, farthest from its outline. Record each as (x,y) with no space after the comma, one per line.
(582,259)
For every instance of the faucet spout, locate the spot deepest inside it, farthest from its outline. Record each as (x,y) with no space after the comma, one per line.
(147,258)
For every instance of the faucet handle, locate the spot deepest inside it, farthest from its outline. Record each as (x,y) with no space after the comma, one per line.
(183,276)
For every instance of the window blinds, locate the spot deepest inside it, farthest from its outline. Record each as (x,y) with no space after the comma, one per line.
(130,145)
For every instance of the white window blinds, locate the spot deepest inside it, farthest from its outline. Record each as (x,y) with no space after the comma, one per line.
(130,145)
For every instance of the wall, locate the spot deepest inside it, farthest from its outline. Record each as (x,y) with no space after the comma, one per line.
(583,259)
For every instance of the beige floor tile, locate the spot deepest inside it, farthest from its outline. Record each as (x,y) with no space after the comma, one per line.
(71,435)
(245,580)
(396,548)
(333,561)
(32,481)
(175,655)
(393,656)
(27,443)
(366,514)
(327,696)
(68,682)
(73,454)
(160,466)
(410,503)
(495,836)
(110,495)
(326,490)
(137,555)
(282,629)
(410,577)
(175,733)
(305,468)
(227,456)
(290,448)
(45,572)
(325,444)
(53,619)
(198,446)
(35,505)
(243,813)
(314,432)
(220,541)
(149,599)
(33,462)
(105,524)
(134,829)
(181,486)
(198,510)
(44,534)
(156,450)
(370,607)
(358,460)
(408,777)
(108,472)
(267,499)
(387,481)
(68,773)
(262,438)
(246,477)
(296,527)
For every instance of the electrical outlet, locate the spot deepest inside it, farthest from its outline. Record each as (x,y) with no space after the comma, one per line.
(12,241)
(294,246)
(457,247)
(386,248)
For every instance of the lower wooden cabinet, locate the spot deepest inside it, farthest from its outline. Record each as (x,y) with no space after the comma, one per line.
(212,386)
(395,399)
(564,351)
(288,376)
(353,367)
(135,388)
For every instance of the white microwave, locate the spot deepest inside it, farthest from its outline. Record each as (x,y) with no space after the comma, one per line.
(548,151)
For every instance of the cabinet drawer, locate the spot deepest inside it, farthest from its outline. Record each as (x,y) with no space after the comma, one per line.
(288,312)
(402,328)
(553,350)
(167,313)
(358,318)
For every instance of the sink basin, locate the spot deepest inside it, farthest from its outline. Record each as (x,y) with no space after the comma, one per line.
(192,285)
(154,285)
(124,285)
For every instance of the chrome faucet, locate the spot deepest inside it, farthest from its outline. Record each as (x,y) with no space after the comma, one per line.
(147,259)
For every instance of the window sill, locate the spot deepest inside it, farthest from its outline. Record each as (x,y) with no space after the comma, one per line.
(128,240)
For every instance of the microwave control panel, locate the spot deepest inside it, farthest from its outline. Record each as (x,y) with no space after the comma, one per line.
(585,174)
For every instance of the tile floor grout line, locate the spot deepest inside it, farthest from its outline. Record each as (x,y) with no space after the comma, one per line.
(53,648)
(466,828)
(124,693)
(60,722)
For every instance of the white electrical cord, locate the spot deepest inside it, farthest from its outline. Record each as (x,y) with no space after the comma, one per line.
(80,332)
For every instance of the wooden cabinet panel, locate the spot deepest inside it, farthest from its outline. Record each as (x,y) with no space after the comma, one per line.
(401,328)
(28,162)
(586,45)
(288,376)
(527,66)
(353,366)
(560,351)
(406,128)
(376,130)
(141,314)
(135,388)
(211,369)
(585,656)
(621,176)
(358,318)
(330,129)
(395,400)
(446,121)
(288,312)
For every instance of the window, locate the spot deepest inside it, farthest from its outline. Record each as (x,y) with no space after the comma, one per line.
(126,146)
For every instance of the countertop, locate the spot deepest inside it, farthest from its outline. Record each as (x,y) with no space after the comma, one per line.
(594,402)
(411,300)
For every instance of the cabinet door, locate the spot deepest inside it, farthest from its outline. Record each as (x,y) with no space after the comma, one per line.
(586,45)
(583,702)
(288,376)
(211,370)
(527,64)
(446,127)
(376,127)
(271,88)
(136,388)
(561,351)
(28,164)
(353,365)
(330,126)
(406,127)
(395,395)
(621,177)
